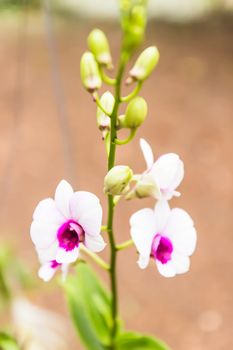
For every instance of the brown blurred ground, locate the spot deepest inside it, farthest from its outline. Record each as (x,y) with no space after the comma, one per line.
(190,112)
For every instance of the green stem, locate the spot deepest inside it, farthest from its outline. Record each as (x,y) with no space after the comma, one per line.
(125,244)
(133,93)
(105,78)
(95,257)
(111,161)
(128,139)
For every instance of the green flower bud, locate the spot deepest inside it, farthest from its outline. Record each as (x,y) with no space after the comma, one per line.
(133,20)
(107,102)
(90,74)
(135,114)
(145,187)
(117,180)
(138,23)
(98,45)
(145,64)
(121,121)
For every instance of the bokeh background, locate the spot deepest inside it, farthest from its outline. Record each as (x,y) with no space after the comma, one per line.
(48,132)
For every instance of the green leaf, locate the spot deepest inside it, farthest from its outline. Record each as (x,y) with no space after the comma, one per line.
(137,341)
(7,342)
(89,305)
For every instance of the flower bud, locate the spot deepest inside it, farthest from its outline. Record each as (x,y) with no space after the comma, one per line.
(145,187)
(98,45)
(121,121)
(103,121)
(90,74)
(135,114)
(145,64)
(117,180)
(133,21)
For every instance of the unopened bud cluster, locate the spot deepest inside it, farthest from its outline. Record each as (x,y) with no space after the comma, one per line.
(118,180)
(98,55)
(133,22)
(98,45)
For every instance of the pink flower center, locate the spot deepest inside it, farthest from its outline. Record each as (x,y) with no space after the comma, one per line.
(54,264)
(69,235)
(161,248)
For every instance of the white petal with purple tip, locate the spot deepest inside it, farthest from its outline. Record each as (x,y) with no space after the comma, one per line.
(142,231)
(47,254)
(46,272)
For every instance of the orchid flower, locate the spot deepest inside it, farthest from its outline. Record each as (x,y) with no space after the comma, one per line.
(161,177)
(166,235)
(60,225)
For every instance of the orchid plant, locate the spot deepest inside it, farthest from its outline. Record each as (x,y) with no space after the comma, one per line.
(69,227)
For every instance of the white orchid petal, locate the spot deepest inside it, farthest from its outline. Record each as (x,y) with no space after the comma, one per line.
(63,193)
(168,172)
(85,208)
(143,261)
(47,211)
(46,272)
(162,212)
(181,231)
(147,153)
(67,257)
(94,243)
(143,229)
(43,234)
(166,270)
(47,254)
(181,263)
(179,175)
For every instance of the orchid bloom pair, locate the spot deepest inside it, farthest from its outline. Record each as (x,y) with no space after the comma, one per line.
(62,224)
(166,235)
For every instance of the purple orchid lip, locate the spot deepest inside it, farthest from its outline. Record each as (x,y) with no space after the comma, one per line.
(69,235)
(162,248)
(54,264)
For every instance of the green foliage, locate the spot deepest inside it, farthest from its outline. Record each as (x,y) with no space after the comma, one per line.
(5,261)
(90,308)
(13,275)
(18,4)
(7,342)
(136,341)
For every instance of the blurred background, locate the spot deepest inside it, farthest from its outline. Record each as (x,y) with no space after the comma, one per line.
(48,132)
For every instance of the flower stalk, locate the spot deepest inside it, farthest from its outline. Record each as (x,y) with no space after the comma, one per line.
(127,140)
(111,206)
(99,261)
(133,93)
(125,245)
